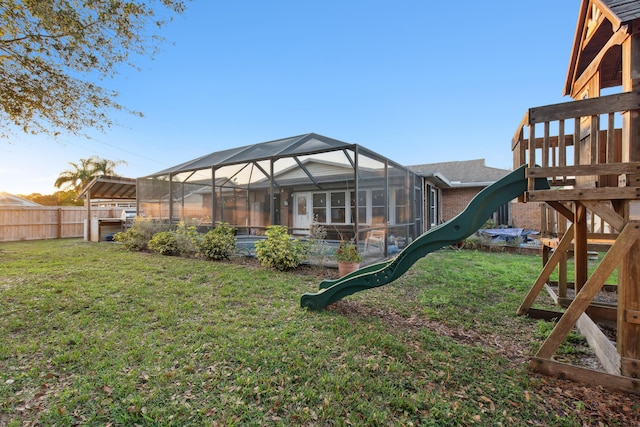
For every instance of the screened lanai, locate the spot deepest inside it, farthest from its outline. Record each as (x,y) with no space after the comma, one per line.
(295,182)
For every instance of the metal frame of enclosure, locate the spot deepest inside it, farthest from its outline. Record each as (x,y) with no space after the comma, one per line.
(297,182)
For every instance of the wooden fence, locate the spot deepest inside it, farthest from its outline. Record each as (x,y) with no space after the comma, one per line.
(47,222)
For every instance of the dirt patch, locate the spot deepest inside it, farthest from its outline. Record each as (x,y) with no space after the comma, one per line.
(512,350)
(597,403)
(303,269)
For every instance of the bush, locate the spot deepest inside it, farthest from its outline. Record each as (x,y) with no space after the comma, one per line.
(164,243)
(219,243)
(317,247)
(280,250)
(137,237)
(187,238)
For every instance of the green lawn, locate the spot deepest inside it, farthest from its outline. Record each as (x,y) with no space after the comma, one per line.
(93,335)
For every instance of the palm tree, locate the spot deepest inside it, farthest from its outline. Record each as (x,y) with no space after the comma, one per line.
(83,173)
(106,167)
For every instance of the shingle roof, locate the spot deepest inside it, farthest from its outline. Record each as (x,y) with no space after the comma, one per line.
(7,199)
(462,172)
(626,10)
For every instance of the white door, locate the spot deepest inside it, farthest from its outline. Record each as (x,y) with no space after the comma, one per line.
(302,213)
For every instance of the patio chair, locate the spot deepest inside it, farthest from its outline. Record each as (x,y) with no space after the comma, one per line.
(375,239)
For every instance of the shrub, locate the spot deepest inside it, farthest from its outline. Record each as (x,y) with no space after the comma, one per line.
(219,243)
(317,247)
(137,237)
(164,243)
(348,252)
(280,250)
(187,238)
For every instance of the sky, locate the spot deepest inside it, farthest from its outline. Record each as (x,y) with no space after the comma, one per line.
(416,81)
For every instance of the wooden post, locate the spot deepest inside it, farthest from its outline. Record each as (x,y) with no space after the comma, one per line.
(562,148)
(628,337)
(88,205)
(580,246)
(532,153)
(545,145)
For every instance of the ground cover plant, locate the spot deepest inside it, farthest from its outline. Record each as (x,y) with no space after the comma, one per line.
(92,334)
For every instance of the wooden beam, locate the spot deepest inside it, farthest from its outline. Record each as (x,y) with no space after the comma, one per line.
(517,136)
(604,349)
(546,272)
(606,212)
(584,375)
(611,158)
(539,313)
(626,239)
(617,39)
(562,209)
(532,154)
(580,250)
(88,206)
(595,311)
(594,140)
(557,141)
(585,170)
(585,107)
(629,367)
(607,193)
(545,145)
(562,145)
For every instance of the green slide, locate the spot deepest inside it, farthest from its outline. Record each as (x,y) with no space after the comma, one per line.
(453,231)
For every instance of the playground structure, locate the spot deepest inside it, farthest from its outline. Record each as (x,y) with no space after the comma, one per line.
(588,150)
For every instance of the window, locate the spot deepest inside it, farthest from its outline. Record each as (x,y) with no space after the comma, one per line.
(433,214)
(302,205)
(362,206)
(320,207)
(331,207)
(377,207)
(338,207)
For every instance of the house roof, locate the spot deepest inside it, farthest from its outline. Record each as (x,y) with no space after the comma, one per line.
(625,10)
(599,28)
(310,143)
(7,199)
(464,173)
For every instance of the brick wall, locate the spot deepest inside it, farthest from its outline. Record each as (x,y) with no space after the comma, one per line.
(525,215)
(454,200)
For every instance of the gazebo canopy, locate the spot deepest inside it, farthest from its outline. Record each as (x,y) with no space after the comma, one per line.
(110,187)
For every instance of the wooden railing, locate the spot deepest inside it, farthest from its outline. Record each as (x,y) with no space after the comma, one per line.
(580,146)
